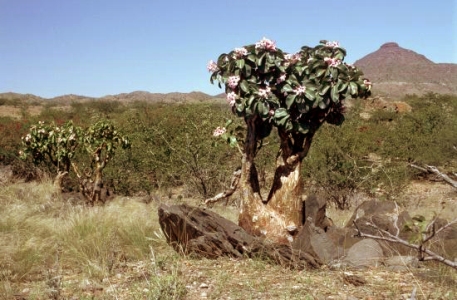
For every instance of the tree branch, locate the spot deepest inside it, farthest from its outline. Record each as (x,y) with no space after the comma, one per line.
(233,186)
(420,248)
(434,170)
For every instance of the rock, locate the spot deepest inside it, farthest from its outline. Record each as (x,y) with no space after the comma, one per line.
(365,253)
(203,233)
(318,243)
(316,208)
(401,263)
(386,216)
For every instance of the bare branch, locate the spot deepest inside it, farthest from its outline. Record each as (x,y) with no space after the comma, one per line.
(419,168)
(442,175)
(233,186)
(434,170)
(387,236)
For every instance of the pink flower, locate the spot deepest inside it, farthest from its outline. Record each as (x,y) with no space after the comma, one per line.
(332,62)
(281,78)
(233,81)
(271,112)
(266,44)
(367,83)
(212,66)
(219,131)
(333,44)
(240,52)
(300,90)
(292,58)
(231,98)
(265,93)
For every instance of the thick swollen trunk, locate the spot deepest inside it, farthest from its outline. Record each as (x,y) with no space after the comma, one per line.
(279,217)
(98,184)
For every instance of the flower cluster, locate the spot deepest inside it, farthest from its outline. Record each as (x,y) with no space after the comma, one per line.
(265,93)
(367,83)
(332,62)
(240,52)
(219,131)
(231,98)
(333,44)
(233,81)
(300,90)
(212,66)
(266,44)
(292,58)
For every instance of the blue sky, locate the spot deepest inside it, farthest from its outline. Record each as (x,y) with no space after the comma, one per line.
(104,47)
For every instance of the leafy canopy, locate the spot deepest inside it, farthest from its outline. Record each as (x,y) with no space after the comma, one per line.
(288,90)
(59,144)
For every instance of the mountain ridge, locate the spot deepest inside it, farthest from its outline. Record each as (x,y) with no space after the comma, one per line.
(394,71)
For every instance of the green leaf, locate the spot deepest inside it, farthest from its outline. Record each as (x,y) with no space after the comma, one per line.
(281,116)
(320,72)
(239,108)
(287,88)
(244,86)
(310,94)
(250,100)
(290,99)
(263,109)
(247,70)
(240,63)
(232,141)
(334,94)
(251,58)
(342,86)
(353,88)
(260,60)
(302,128)
(229,121)
(324,90)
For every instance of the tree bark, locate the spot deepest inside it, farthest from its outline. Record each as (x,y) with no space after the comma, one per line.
(279,217)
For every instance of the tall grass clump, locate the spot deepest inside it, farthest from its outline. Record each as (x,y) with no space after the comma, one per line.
(41,232)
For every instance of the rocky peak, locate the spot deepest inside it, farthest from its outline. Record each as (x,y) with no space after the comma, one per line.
(396,71)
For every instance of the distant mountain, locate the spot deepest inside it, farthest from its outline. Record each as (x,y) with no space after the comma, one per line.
(159,97)
(124,97)
(396,71)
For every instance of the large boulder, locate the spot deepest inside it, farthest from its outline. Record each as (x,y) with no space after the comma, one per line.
(364,254)
(387,216)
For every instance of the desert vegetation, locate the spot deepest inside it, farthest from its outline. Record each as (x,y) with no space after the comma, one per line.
(53,246)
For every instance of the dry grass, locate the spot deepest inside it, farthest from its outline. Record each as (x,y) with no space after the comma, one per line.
(51,249)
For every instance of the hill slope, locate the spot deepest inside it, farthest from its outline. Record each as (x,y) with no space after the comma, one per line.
(396,71)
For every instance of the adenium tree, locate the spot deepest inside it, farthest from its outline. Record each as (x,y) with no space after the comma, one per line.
(294,93)
(63,145)
(100,141)
(51,143)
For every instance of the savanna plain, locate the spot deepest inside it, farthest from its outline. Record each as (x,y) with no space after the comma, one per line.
(53,246)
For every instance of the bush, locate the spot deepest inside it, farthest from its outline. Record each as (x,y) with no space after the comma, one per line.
(172,146)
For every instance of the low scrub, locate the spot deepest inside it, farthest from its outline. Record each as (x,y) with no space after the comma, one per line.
(173,148)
